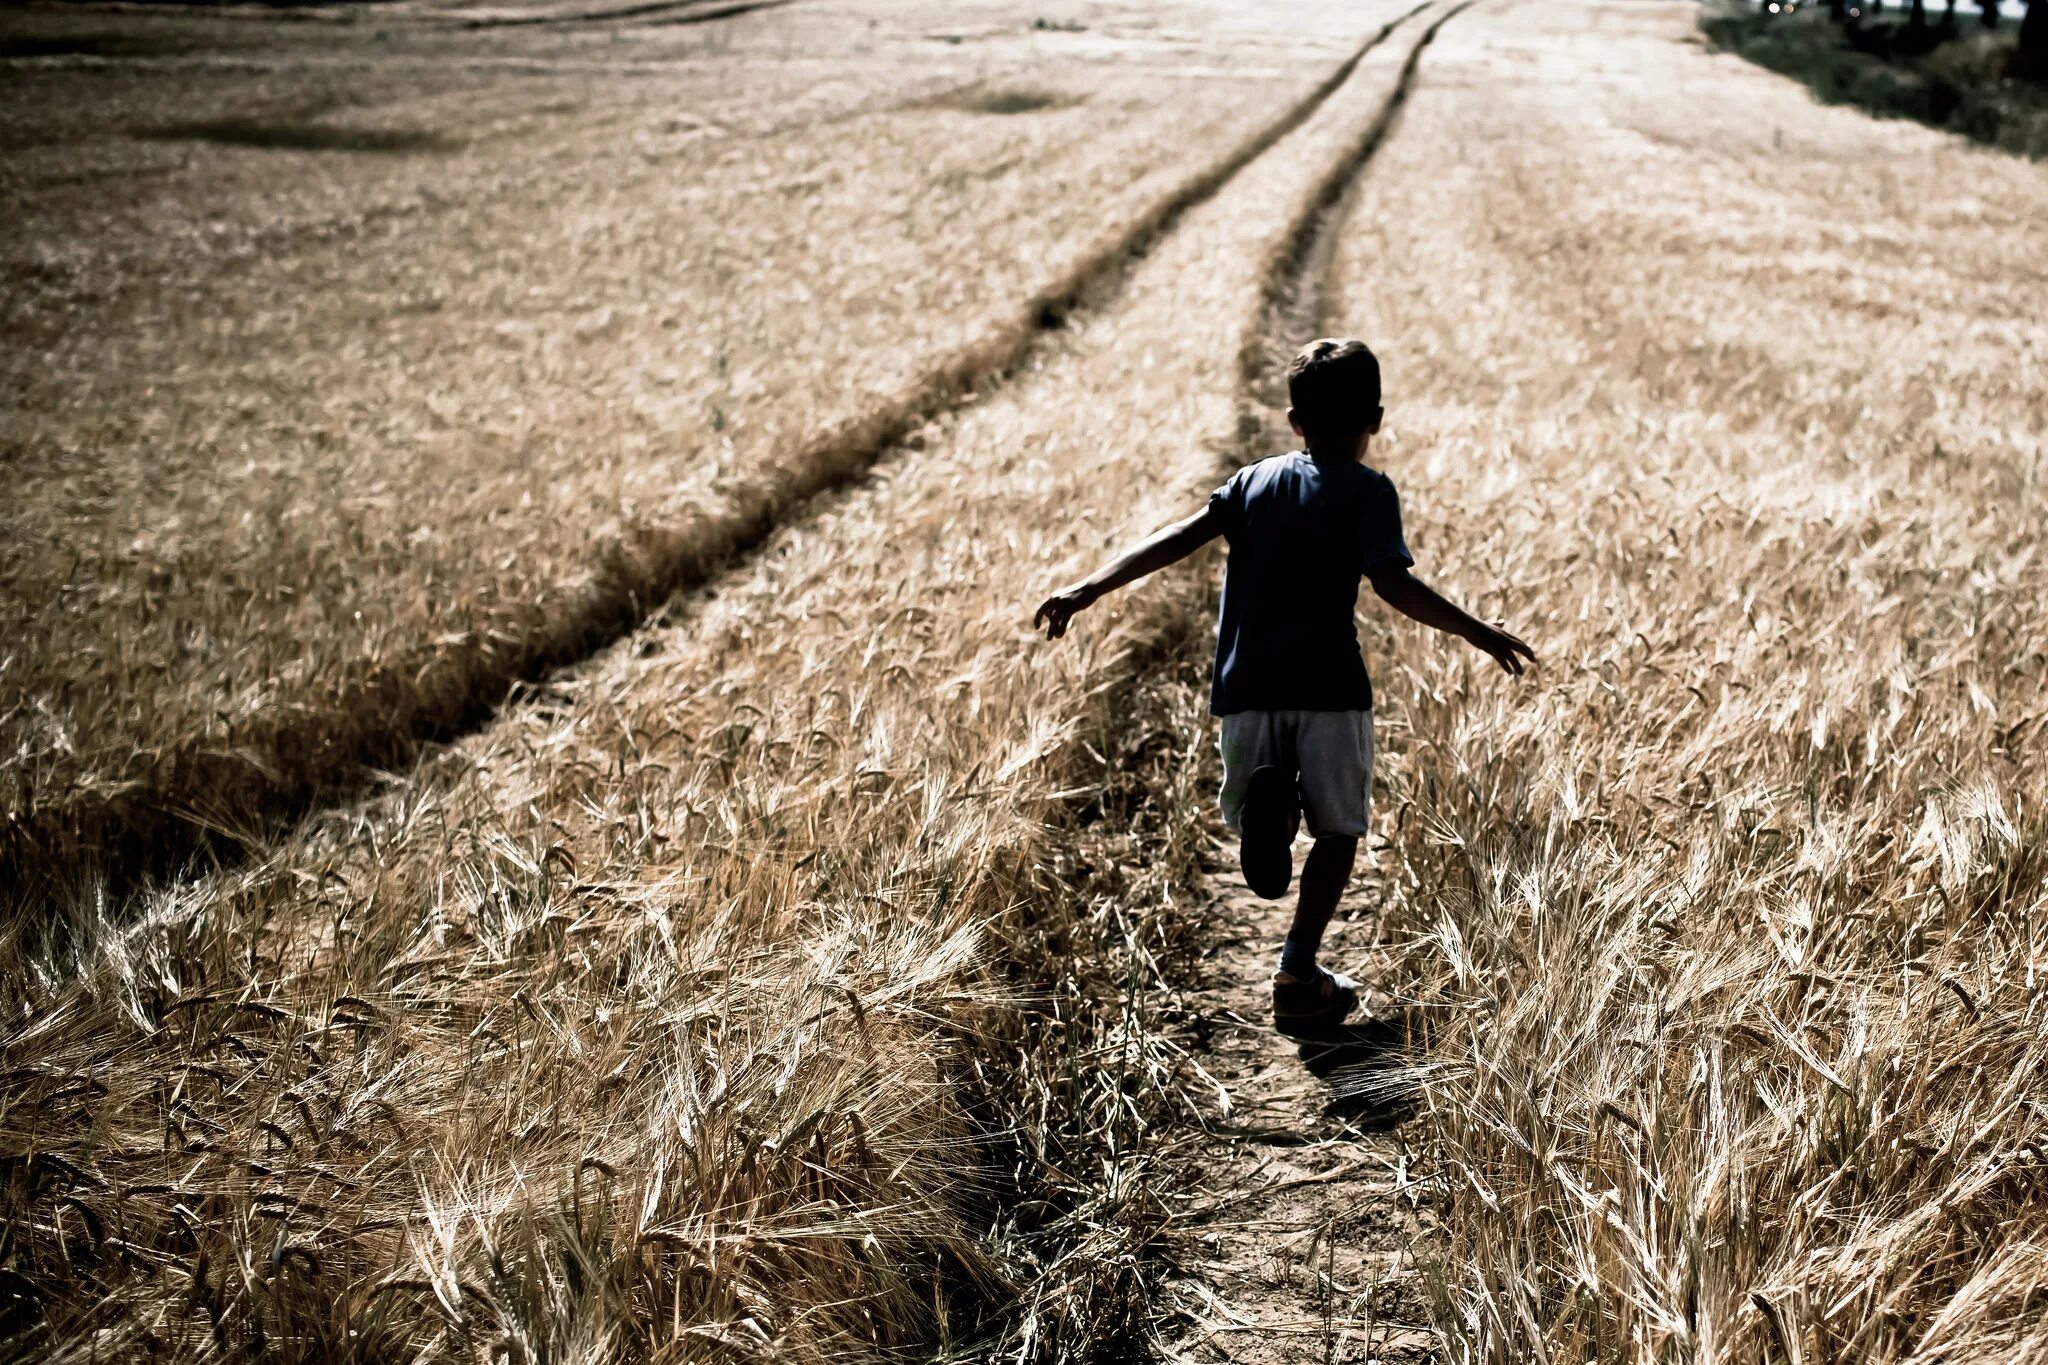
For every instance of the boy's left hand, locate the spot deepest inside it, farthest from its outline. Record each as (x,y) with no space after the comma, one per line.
(1055,611)
(1507,650)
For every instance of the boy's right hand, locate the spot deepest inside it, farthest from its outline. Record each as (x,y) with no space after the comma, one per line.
(1055,611)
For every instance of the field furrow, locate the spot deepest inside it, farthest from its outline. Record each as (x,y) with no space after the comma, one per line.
(685,1002)
(1298,1235)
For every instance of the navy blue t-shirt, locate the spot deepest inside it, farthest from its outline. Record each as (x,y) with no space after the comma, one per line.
(1301,536)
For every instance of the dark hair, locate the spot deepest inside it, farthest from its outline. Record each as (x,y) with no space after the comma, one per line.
(1334,388)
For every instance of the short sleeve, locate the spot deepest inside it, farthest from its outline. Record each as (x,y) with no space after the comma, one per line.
(1380,541)
(1227,504)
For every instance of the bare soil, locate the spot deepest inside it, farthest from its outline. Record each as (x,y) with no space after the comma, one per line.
(1300,1239)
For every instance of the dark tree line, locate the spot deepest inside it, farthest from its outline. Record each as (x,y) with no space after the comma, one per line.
(2034,40)
(2032,53)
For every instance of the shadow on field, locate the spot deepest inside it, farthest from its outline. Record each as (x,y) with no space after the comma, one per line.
(297,136)
(94,45)
(1002,102)
(1367,1067)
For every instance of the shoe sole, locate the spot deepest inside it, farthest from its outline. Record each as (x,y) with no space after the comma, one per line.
(1266,853)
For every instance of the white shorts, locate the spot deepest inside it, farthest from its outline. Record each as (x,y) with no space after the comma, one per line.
(1330,750)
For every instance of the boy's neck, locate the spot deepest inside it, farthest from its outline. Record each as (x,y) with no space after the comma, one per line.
(1327,454)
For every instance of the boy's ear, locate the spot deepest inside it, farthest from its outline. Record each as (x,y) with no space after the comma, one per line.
(1372,428)
(1295,423)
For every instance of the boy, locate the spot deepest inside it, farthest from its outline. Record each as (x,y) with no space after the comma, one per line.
(1290,684)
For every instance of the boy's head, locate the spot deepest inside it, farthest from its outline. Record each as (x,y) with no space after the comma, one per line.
(1333,388)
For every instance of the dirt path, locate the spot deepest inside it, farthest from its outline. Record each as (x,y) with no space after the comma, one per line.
(1297,1240)
(1296,1244)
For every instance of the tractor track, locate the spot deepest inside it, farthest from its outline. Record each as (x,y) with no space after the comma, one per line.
(668,13)
(431,18)
(1297,298)
(1296,1241)
(283,769)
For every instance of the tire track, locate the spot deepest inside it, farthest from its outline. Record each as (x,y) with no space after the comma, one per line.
(1301,1213)
(1297,299)
(282,768)
(668,13)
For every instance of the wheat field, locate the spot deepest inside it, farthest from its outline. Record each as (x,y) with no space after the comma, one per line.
(644,441)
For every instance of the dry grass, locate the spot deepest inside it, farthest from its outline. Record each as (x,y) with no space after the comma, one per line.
(1734,924)
(312,452)
(676,1014)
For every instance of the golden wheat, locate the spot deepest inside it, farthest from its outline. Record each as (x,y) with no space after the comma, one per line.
(773,984)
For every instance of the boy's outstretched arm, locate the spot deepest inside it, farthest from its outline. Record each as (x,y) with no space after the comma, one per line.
(1168,545)
(1412,597)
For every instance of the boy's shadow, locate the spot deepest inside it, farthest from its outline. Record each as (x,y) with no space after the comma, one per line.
(1367,1066)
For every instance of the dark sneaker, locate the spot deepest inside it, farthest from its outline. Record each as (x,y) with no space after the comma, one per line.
(1316,1003)
(1272,813)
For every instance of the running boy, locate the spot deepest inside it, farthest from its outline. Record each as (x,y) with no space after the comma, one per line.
(1290,683)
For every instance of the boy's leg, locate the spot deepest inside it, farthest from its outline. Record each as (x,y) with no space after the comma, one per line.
(1323,879)
(1260,799)
(1335,750)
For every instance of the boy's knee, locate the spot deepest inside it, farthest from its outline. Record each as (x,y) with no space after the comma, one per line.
(1337,843)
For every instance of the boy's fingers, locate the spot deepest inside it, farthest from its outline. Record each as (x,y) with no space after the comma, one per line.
(1513,645)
